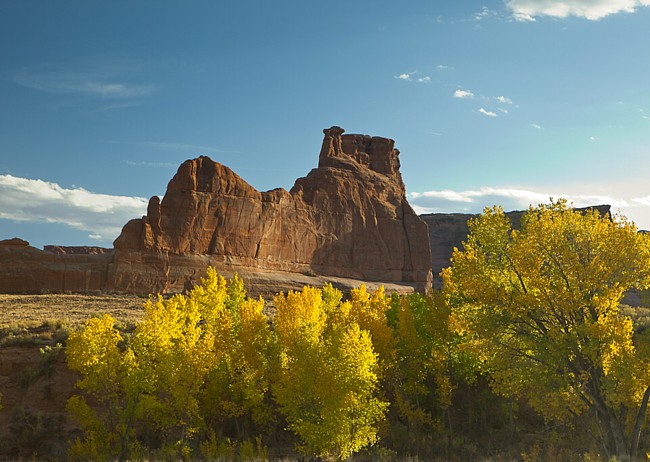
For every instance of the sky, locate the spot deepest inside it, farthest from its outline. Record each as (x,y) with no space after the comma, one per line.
(500,102)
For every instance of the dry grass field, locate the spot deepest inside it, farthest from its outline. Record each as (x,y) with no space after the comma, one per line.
(48,318)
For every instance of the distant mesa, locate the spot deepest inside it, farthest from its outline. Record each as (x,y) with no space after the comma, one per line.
(347,221)
(449,230)
(76,250)
(14,241)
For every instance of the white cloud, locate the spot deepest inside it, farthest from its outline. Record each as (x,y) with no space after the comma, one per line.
(404,76)
(487,113)
(503,100)
(408,77)
(528,10)
(442,67)
(463,94)
(536,126)
(475,200)
(38,201)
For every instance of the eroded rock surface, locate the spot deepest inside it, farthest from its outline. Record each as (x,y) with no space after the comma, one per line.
(348,218)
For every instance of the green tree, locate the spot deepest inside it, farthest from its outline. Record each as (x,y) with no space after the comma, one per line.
(540,308)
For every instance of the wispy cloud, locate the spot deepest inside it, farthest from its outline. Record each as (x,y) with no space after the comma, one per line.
(180,146)
(170,146)
(463,94)
(528,10)
(144,163)
(536,126)
(487,113)
(113,107)
(99,79)
(442,67)
(85,85)
(38,201)
(503,100)
(484,13)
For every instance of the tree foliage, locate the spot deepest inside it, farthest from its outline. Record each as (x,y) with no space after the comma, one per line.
(194,361)
(327,382)
(112,377)
(540,309)
(201,366)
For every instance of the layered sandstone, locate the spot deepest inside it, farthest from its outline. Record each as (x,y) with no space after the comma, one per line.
(25,269)
(348,218)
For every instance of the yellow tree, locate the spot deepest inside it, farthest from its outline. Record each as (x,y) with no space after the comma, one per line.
(237,389)
(174,348)
(113,378)
(426,355)
(540,307)
(370,312)
(327,380)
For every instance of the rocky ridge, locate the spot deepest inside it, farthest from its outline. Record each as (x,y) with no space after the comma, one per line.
(347,221)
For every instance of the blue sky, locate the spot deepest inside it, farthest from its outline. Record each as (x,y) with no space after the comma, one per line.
(496,102)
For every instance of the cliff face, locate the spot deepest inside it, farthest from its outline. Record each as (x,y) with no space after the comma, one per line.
(348,218)
(346,222)
(25,269)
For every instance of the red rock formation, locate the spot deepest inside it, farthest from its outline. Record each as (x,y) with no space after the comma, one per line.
(25,269)
(348,218)
(14,241)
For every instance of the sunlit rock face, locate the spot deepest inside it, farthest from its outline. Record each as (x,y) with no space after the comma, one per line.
(348,218)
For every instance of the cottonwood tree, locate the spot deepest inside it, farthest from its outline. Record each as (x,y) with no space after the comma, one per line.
(112,378)
(327,382)
(237,387)
(540,307)
(190,359)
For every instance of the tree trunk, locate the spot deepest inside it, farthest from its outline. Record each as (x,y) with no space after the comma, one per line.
(618,434)
(638,425)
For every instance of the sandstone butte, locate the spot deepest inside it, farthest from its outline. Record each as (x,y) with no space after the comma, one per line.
(346,222)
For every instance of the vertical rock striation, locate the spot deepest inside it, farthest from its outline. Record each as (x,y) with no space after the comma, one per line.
(347,218)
